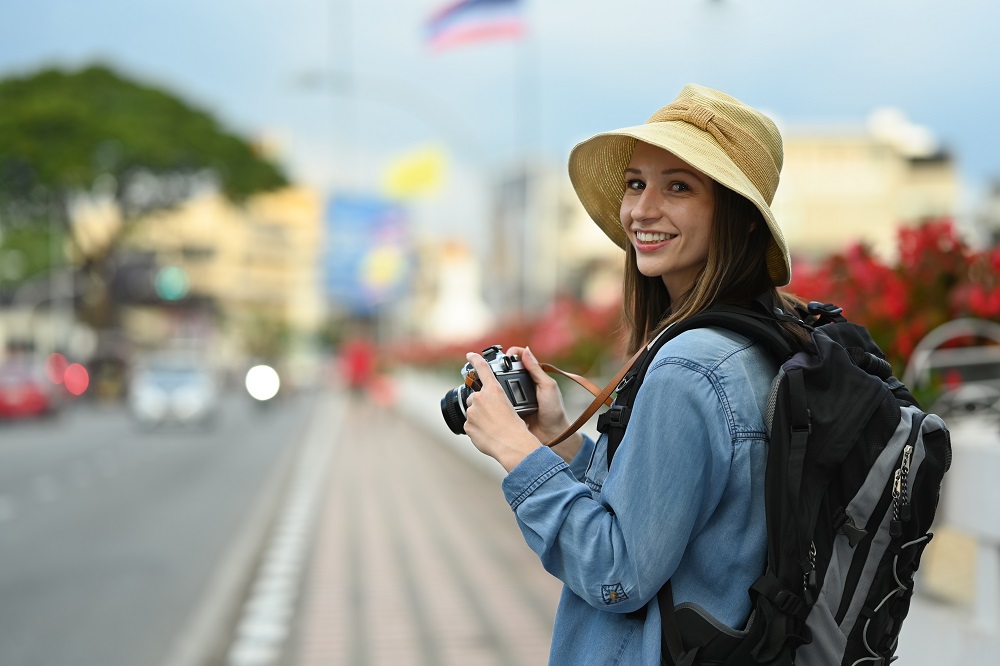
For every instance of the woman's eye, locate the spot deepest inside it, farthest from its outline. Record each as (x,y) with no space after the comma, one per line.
(634,184)
(679,187)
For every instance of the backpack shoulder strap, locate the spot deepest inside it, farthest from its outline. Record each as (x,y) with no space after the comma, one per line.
(760,328)
(756,326)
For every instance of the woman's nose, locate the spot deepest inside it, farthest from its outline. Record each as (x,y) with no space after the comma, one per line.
(646,206)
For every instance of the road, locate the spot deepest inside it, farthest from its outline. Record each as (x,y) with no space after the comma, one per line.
(110,535)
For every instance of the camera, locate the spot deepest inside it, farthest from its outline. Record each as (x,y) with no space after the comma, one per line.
(514,379)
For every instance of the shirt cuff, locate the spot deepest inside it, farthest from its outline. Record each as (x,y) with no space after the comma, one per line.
(537,467)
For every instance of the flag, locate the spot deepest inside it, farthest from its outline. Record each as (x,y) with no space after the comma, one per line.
(419,172)
(471,21)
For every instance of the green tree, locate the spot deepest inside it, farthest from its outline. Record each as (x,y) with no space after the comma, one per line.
(93,131)
(60,131)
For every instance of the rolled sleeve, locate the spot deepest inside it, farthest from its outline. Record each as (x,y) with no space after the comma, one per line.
(537,467)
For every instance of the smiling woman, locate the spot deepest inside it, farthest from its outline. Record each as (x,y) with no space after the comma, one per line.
(687,196)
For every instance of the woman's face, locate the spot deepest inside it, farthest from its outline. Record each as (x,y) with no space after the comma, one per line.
(667,213)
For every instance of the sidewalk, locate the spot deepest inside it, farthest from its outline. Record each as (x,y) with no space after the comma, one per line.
(417,558)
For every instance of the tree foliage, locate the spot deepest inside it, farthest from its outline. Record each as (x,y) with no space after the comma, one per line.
(60,131)
(26,252)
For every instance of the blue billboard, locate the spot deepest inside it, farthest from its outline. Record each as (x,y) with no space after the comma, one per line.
(367,258)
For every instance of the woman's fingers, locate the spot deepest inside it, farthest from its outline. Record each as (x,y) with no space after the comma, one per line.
(492,423)
(491,402)
(483,369)
(531,364)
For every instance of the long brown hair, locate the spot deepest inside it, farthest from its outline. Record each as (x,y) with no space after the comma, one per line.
(735,273)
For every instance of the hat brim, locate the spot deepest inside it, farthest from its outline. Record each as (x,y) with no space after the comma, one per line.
(597,171)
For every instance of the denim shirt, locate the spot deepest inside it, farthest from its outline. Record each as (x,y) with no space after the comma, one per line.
(684,500)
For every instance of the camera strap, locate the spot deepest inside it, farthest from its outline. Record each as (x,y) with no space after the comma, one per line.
(602,397)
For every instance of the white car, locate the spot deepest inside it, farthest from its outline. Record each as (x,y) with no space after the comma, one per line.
(173,393)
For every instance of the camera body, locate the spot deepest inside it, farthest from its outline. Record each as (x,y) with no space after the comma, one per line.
(509,371)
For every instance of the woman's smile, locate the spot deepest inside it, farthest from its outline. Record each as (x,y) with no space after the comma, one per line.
(650,242)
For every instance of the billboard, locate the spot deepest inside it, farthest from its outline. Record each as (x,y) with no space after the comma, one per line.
(367,256)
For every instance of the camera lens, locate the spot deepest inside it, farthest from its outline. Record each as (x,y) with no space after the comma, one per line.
(453,408)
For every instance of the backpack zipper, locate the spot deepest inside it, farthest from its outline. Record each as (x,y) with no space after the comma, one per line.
(889,497)
(900,493)
(809,575)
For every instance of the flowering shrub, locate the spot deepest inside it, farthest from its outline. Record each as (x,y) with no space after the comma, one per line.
(937,277)
(569,334)
(576,337)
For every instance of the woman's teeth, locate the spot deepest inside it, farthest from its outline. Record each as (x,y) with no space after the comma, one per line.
(644,237)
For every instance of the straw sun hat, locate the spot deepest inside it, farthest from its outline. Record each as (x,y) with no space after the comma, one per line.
(723,138)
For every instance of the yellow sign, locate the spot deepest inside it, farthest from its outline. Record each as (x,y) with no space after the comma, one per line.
(419,172)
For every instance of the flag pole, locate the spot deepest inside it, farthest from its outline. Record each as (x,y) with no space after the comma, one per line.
(526,115)
(538,270)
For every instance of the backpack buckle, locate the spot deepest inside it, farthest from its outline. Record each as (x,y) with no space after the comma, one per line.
(807,429)
(829,309)
(626,380)
(615,417)
(789,603)
(825,312)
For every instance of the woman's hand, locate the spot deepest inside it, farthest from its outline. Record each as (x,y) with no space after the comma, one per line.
(491,422)
(550,420)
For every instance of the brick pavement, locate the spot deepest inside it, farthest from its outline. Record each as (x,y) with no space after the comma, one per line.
(418,559)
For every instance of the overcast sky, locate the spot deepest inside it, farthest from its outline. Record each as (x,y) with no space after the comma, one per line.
(263,66)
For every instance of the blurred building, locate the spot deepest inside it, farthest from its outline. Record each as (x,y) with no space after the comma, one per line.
(241,280)
(544,243)
(448,304)
(841,185)
(987,223)
(37,317)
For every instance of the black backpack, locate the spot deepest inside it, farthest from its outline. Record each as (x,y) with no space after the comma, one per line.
(854,473)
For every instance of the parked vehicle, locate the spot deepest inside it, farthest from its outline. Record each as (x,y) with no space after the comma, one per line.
(171,391)
(25,392)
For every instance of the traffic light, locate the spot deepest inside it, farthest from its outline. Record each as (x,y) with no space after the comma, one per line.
(172,283)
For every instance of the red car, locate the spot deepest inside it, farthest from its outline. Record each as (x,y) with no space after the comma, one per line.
(23,393)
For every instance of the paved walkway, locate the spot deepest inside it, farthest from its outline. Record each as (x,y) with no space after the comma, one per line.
(417,559)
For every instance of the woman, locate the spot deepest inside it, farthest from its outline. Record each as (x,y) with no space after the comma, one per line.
(687,195)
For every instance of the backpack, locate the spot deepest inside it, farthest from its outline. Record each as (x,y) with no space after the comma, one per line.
(854,471)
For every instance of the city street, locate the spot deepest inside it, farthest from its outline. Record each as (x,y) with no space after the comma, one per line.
(111,537)
(322,531)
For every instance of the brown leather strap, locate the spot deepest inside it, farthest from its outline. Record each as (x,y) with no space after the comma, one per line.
(582,381)
(603,396)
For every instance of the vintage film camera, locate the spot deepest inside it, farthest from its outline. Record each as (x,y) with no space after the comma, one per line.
(514,379)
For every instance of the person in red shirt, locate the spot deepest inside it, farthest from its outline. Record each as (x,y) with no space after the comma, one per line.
(358,363)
